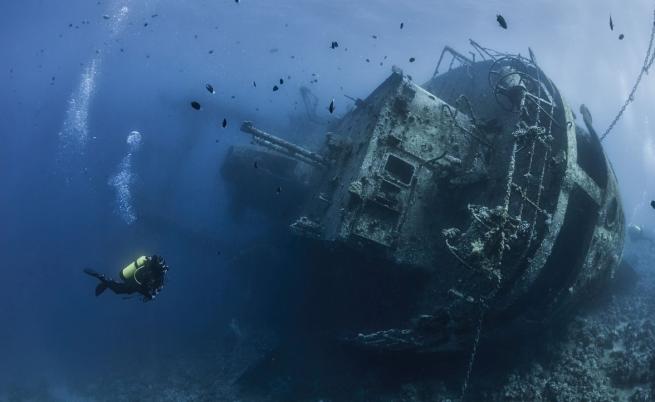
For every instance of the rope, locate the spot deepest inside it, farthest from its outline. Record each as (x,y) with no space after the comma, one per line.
(474,351)
(648,62)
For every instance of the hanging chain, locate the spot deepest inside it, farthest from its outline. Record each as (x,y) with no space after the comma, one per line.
(648,62)
(474,351)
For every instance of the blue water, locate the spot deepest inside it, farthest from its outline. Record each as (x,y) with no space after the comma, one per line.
(74,192)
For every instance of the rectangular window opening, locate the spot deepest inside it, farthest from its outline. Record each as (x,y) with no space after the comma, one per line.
(399,169)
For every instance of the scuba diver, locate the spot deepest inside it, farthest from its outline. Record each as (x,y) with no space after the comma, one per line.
(144,275)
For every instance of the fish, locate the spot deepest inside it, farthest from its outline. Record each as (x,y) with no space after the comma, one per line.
(105,16)
(374,36)
(334,44)
(278,190)
(621,37)
(254,84)
(256,165)
(331,107)
(501,21)
(224,124)
(586,117)
(611,24)
(145,24)
(411,59)
(210,88)
(281,81)
(195,105)
(402,25)
(275,88)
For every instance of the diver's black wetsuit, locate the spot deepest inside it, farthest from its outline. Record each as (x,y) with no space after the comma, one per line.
(150,282)
(119,288)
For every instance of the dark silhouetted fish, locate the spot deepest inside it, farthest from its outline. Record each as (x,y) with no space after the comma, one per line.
(501,21)
(281,81)
(334,45)
(621,37)
(611,24)
(224,124)
(411,59)
(588,120)
(652,204)
(195,105)
(331,107)
(210,88)
(275,88)
(402,25)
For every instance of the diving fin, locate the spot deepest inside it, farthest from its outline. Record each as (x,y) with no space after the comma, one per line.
(91,272)
(94,274)
(102,286)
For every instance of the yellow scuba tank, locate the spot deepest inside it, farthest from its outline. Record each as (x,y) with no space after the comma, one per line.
(128,272)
